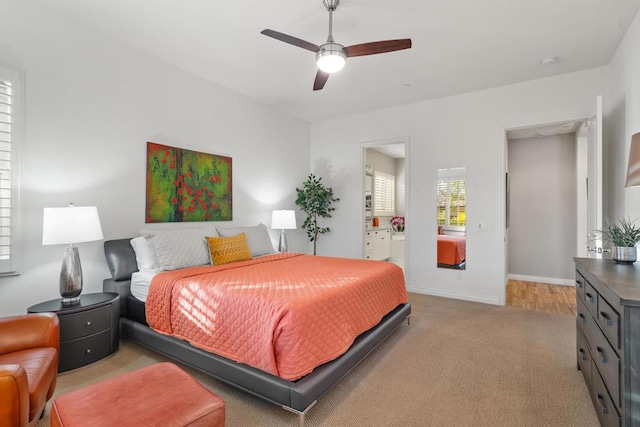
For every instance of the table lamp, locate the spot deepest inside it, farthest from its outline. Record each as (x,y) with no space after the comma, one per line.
(283,220)
(70,225)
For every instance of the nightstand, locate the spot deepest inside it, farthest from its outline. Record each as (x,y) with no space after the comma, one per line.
(89,329)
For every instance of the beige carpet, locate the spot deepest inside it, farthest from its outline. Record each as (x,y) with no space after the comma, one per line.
(458,364)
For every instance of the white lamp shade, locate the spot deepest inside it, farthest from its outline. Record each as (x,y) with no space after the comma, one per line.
(70,225)
(283,220)
(633,170)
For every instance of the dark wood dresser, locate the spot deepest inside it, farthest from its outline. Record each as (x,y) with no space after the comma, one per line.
(608,337)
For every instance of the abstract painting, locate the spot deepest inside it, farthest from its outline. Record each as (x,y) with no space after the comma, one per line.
(187,186)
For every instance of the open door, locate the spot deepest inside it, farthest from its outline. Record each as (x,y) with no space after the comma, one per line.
(594,181)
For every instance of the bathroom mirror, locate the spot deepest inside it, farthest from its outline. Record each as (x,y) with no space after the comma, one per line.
(451,218)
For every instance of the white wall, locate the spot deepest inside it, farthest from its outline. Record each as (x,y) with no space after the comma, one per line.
(91,106)
(400,187)
(542,232)
(622,116)
(465,130)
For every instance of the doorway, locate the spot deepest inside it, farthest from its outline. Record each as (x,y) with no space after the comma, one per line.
(546,186)
(385,171)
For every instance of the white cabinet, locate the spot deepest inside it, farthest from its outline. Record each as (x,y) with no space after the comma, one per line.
(378,244)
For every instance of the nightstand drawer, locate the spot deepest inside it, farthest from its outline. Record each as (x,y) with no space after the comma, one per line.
(78,325)
(82,351)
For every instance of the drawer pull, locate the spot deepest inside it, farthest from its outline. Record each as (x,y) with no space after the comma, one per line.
(607,319)
(582,318)
(602,355)
(584,354)
(88,351)
(590,298)
(601,402)
(89,323)
(580,284)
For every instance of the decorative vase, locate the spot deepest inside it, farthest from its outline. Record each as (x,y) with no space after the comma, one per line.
(624,255)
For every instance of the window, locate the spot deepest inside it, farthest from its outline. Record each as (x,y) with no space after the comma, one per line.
(384,196)
(10,132)
(452,201)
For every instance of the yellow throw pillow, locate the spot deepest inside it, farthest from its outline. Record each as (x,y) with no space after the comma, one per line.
(224,250)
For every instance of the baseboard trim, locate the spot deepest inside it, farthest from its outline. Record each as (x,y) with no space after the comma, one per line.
(538,279)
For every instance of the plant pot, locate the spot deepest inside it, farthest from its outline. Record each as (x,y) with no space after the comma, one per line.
(624,255)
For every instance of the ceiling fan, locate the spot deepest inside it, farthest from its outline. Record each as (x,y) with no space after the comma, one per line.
(331,56)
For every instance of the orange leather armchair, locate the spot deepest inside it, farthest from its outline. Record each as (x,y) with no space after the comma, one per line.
(29,348)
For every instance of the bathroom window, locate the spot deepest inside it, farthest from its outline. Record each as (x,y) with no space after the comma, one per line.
(384,197)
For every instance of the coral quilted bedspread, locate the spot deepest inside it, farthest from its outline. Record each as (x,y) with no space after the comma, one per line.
(452,250)
(284,313)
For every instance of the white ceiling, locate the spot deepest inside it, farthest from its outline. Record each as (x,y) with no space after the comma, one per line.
(458,45)
(545,130)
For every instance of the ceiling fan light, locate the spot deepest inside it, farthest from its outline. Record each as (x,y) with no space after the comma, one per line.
(331,60)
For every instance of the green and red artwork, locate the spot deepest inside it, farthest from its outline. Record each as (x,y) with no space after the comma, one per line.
(186,186)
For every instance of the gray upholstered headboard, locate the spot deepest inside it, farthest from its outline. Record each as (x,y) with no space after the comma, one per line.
(121,260)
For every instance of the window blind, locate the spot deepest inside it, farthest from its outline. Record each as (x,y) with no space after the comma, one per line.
(451,202)
(5,170)
(11,90)
(384,197)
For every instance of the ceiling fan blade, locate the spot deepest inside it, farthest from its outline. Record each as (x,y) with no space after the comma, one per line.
(321,79)
(291,40)
(373,48)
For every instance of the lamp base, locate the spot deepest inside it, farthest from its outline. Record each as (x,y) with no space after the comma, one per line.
(71,276)
(282,244)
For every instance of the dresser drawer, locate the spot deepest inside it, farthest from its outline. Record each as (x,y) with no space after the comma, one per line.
(609,321)
(584,356)
(606,410)
(580,284)
(89,322)
(82,351)
(608,363)
(585,320)
(591,299)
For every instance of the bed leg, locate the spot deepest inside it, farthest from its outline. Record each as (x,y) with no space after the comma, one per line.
(301,415)
(408,320)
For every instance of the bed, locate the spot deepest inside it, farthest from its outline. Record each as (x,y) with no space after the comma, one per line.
(296,390)
(451,251)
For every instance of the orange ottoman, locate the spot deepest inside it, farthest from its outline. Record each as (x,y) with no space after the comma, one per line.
(158,395)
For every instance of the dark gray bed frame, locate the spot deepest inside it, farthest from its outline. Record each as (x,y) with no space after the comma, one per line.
(295,396)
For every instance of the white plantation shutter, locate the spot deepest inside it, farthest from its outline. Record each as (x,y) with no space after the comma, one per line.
(451,202)
(384,194)
(10,127)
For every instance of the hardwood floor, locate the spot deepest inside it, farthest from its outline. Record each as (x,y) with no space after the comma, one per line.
(542,297)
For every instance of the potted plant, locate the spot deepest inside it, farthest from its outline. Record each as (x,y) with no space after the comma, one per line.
(315,200)
(397,223)
(622,238)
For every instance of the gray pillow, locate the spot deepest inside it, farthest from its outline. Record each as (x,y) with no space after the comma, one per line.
(258,238)
(183,248)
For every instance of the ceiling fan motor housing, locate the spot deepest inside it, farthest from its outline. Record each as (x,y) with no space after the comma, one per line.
(331,4)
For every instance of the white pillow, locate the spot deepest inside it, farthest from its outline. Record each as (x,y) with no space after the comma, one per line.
(183,248)
(258,238)
(145,258)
